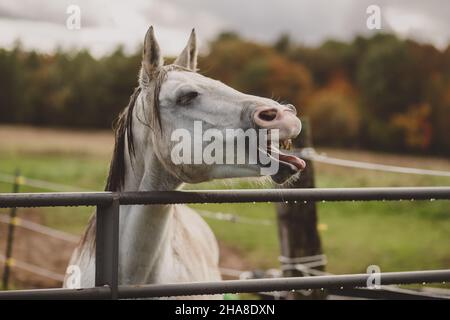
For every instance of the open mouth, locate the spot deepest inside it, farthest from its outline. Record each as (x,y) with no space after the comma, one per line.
(289,164)
(294,162)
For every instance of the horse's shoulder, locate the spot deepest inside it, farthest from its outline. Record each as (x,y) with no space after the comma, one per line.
(193,242)
(191,226)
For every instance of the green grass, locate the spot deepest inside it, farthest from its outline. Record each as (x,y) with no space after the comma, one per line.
(394,235)
(72,170)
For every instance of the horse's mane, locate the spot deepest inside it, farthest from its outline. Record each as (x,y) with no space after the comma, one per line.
(123,126)
(123,132)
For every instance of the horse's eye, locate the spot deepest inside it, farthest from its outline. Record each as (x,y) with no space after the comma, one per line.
(186,98)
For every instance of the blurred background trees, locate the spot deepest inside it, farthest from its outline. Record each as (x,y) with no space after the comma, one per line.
(379,92)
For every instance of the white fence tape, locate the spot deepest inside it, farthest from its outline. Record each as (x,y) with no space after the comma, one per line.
(311,154)
(33,269)
(39,184)
(39,228)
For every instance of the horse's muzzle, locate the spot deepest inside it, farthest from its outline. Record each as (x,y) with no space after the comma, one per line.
(282,118)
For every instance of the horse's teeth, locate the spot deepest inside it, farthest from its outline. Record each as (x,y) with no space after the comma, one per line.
(289,144)
(285,144)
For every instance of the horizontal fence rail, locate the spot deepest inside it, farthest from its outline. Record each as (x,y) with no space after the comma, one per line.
(55,199)
(107,240)
(221,196)
(232,286)
(281,284)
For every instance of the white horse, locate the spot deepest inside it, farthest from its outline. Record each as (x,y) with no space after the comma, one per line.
(172,243)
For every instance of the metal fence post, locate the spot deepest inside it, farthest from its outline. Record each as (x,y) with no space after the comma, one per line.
(10,237)
(297,225)
(107,246)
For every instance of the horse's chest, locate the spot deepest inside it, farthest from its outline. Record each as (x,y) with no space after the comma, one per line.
(192,254)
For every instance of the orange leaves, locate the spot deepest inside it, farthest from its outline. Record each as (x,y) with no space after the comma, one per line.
(416,126)
(257,69)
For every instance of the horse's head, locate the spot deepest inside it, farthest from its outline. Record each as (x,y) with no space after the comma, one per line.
(178,102)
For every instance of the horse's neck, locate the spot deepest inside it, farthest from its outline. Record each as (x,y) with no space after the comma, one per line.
(144,230)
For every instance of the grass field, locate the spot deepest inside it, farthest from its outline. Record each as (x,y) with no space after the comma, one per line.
(394,235)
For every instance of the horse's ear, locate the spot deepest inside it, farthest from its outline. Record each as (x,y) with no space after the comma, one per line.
(188,57)
(151,58)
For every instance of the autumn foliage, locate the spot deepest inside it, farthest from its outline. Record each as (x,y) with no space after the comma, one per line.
(379,92)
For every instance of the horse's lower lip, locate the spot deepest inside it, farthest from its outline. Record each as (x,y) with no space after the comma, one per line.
(286,170)
(289,165)
(292,161)
(296,161)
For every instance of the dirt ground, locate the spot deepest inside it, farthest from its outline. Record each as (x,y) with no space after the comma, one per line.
(53,254)
(48,140)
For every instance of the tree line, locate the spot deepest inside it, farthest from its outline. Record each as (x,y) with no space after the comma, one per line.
(377,92)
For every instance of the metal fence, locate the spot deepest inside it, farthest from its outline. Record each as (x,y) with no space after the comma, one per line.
(107,240)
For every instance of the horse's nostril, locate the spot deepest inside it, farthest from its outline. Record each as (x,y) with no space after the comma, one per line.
(268,115)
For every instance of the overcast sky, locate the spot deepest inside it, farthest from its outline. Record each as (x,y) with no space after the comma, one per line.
(105,23)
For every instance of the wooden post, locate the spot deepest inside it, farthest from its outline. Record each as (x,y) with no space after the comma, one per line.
(297,222)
